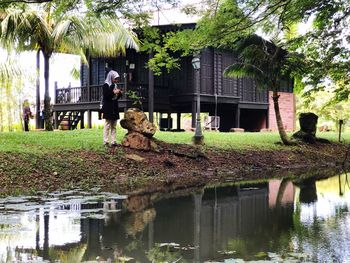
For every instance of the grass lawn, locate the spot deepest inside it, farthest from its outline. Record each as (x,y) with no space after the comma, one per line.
(91,139)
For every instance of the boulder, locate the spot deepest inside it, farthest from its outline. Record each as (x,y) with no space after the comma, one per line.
(136,140)
(308,123)
(135,120)
(134,157)
(308,127)
(140,130)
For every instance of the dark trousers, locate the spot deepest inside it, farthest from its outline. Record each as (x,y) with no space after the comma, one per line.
(26,125)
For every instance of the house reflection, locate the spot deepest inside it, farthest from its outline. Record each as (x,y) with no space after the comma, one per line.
(205,221)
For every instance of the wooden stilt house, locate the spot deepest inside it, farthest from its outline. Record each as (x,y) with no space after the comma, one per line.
(238,102)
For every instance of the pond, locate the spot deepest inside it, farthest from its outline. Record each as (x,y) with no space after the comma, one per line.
(273,221)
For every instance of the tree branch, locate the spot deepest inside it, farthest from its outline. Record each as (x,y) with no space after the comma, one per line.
(270,10)
(5,2)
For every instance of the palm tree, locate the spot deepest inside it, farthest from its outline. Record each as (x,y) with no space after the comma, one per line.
(41,28)
(269,64)
(9,71)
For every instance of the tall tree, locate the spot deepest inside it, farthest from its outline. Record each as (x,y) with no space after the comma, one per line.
(29,28)
(269,64)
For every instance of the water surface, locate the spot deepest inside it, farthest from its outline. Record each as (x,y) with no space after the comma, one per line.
(276,221)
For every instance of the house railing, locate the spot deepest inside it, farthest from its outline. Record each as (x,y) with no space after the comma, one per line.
(93,93)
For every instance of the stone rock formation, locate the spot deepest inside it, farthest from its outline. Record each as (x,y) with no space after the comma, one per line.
(140,130)
(307,132)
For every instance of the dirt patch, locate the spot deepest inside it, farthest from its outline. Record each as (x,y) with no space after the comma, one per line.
(174,166)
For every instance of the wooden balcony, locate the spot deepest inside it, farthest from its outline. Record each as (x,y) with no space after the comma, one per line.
(89,97)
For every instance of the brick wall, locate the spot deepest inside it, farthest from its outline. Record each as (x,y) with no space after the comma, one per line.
(288,193)
(287,109)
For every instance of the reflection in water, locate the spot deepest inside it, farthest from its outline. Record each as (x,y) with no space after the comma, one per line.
(308,191)
(274,220)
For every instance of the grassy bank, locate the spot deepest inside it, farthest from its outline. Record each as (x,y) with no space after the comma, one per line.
(40,142)
(76,159)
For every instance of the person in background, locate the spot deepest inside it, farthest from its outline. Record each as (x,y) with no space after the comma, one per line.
(110,108)
(42,117)
(27,114)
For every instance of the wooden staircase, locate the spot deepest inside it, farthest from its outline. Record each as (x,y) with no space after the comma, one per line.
(69,120)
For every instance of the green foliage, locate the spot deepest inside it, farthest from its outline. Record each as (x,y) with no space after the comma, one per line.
(11,94)
(162,58)
(74,254)
(228,21)
(163,254)
(162,47)
(325,104)
(137,100)
(126,8)
(75,73)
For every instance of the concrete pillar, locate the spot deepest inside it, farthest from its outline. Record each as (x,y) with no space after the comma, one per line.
(178,121)
(82,123)
(89,119)
(170,121)
(237,117)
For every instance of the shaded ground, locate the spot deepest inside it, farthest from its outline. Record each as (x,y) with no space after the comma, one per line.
(173,167)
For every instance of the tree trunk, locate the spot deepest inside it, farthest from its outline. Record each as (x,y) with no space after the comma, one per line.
(37,115)
(282,132)
(150,92)
(9,107)
(47,99)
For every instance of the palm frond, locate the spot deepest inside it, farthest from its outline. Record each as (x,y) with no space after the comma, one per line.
(101,36)
(113,38)
(265,61)
(9,70)
(251,41)
(22,28)
(243,70)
